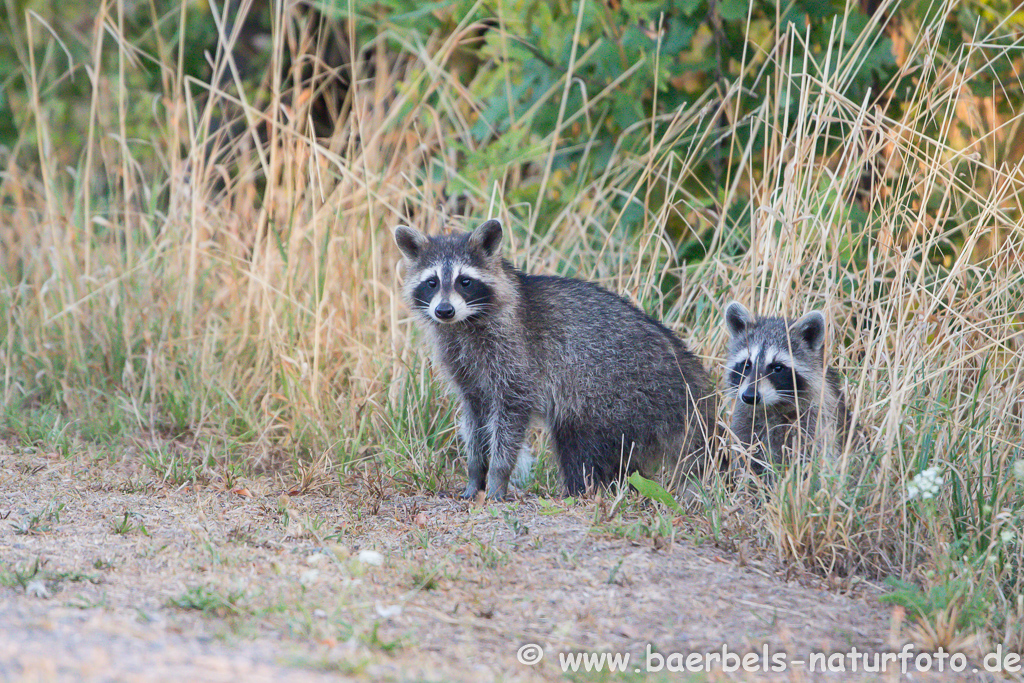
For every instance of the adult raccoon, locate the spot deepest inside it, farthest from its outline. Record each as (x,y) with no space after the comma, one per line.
(617,390)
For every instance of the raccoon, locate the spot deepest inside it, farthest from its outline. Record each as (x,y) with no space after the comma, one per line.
(617,391)
(785,397)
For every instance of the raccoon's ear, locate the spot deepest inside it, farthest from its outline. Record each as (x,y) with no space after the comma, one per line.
(487,237)
(737,318)
(811,330)
(411,241)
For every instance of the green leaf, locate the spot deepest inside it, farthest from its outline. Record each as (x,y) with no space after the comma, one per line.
(689,7)
(680,34)
(928,10)
(653,491)
(733,10)
(817,9)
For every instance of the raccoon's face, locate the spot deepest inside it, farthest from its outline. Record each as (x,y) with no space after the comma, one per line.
(774,362)
(451,278)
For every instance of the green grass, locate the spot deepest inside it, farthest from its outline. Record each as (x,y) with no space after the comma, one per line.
(210,601)
(128,524)
(40,522)
(24,574)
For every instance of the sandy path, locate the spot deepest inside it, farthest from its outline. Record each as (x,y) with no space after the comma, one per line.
(459,591)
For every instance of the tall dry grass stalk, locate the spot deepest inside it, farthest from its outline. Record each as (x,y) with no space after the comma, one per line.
(205,263)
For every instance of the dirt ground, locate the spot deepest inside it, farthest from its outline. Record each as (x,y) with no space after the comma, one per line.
(135,581)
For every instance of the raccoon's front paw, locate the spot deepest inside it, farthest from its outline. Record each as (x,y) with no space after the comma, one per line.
(470,492)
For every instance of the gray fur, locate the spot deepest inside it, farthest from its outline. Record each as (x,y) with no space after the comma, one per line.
(800,408)
(617,390)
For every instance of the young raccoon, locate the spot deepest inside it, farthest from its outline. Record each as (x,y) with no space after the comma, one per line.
(785,396)
(618,391)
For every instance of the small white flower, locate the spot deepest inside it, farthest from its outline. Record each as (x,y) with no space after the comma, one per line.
(1006,536)
(925,485)
(1018,470)
(371,557)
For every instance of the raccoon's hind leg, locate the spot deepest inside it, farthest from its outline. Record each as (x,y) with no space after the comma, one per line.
(588,456)
(477,439)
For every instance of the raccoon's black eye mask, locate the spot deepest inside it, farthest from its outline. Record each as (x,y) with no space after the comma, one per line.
(475,293)
(424,292)
(739,370)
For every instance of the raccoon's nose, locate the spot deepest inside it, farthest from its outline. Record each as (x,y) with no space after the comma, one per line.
(444,310)
(749,395)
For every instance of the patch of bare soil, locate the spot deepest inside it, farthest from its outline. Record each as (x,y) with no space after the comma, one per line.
(107,578)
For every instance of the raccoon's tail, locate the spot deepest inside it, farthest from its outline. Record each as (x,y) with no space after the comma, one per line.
(522,476)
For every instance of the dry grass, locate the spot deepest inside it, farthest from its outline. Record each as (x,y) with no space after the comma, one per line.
(170,281)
